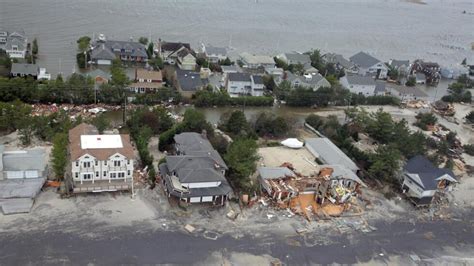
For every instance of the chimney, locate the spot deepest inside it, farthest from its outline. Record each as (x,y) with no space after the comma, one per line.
(204,133)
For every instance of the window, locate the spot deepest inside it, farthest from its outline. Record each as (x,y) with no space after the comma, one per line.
(121,175)
(113,175)
(77,163)
(128,162)
(96,174)
(105,173)
(117,163)
(128,172)
(96,163)
(87,177)
(87,164)
(77,175)
(105,163)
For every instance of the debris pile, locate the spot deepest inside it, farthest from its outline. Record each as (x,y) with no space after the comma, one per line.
(443,108)
(417,104)
(326,194)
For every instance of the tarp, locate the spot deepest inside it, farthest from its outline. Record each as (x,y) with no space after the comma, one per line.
(292,143)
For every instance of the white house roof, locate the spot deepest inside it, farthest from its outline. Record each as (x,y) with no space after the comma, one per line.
(101,142)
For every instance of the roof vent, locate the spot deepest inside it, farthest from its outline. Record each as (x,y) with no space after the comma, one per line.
(98,138)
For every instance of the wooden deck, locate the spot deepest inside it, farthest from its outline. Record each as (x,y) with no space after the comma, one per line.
(102,186)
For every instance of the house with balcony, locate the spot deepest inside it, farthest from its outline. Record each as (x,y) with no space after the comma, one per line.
(14,43)
(241,84)
(196,173)
(99,163)
(214,54)
(368,65)
(104,52)
(146,81)
(423,181)
(312,81)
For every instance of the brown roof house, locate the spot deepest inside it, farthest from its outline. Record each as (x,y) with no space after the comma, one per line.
(146,81)
(99,162)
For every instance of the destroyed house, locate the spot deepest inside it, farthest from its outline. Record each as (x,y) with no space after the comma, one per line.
(334,182)
(22,175)
(196,174)
(422,180)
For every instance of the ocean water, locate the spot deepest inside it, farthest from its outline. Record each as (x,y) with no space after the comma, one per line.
(439,30)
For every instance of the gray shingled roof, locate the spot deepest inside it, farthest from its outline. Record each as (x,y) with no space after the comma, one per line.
(25,69)
(212,50)
(244,77)
(189,80)
(192,143)
(364,60)
(274,172)
(380,86)
(223,189)
(23,160)
(298,58)
(338,59)
(257,79)
(329,153)
(427,172)
(315,79)
(360,80)
(191,169)
(126,48)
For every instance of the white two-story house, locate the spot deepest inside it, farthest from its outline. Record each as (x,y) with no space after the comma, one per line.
(241,84)
(99,162)
(14,43)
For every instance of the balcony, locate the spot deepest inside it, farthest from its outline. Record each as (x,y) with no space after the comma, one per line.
(103,185)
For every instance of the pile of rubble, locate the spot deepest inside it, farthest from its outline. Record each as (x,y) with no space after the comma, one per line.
(443,108)
(72,110)
(327,194)
(417,104)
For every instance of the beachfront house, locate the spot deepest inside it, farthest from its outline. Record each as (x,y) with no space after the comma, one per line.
(146,81)
(405,93)
(312,81)
(252,61)
(241,84)
(214,54)
(359,84)
(24,70)
(422,181)
(22,175)
(196,174)
(15,43)
(368,65)
(431,70)
(188,82)
(104,52)
(177,53)
(99,162)
(295,58)
(339,62)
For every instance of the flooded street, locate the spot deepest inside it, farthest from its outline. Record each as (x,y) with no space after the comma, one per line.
(438,30)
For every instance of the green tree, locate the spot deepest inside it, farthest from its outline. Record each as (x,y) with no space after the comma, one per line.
(157,63)
(317,61)
(470,117)
(143,40)
(381,126)
(241,158)
(385,163)
(280,63)
(149,51)
(425,119)
(237,124)
(26,130)
(83,44)
(411,82)
(225,62)
(314,120)
(34,49)
(101,123)
(59,154)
